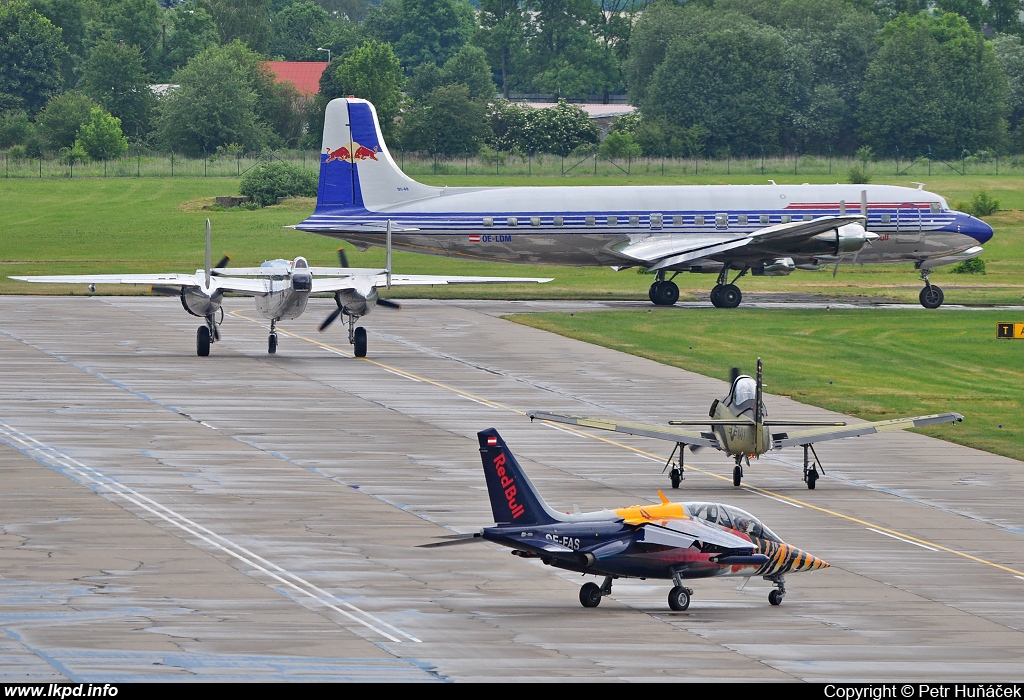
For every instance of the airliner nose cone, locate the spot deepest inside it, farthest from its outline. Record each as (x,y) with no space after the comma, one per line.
(976,229)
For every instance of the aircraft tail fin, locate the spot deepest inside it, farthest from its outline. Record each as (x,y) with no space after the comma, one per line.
(356,168)
(514,500)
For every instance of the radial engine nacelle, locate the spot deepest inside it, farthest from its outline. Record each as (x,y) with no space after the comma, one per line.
(844,239)
(198,303)
(358,302)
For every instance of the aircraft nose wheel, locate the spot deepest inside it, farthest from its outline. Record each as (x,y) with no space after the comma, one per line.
(931,297)
(272,343)
(675,476)
(359,341)
(737,475)
(679,598)
(812,476)
(775,597)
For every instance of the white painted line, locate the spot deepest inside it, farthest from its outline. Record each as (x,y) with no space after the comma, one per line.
(223,544)
(1020,577)
(335,352)
(399,374)
(780,500)
(482,403)
(563,430)
(902,539)
(650,458)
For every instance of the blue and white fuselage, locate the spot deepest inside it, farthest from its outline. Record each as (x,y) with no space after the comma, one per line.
(760,229)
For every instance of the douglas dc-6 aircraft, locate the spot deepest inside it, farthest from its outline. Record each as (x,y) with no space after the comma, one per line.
(281,289)
(676,541)
(738,427)
(756,229)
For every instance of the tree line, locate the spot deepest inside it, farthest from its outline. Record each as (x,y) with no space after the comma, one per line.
(714,78)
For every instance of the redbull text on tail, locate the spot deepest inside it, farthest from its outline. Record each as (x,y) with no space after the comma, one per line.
(513,498)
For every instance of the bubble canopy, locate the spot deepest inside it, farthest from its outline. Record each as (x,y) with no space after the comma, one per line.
(731,517)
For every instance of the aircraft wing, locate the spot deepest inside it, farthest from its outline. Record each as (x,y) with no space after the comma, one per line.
(684,532)
(662,251)
(688,437)
(174,279)
(805,437)
(378,278)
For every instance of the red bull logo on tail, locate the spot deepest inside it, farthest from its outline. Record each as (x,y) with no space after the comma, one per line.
(356,152)
(508,483)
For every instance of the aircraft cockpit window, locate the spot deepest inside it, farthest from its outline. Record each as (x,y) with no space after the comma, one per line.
(743,389)
(731,517)
(933,207)
(300,263)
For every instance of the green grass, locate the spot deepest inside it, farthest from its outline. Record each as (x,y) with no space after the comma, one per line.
(871,363)
(120,225)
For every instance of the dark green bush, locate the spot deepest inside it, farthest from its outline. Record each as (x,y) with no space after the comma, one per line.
(270,180)
(974,266)
(858,176)
(983,204)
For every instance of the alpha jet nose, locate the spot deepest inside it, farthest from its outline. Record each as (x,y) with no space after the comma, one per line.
(785,559)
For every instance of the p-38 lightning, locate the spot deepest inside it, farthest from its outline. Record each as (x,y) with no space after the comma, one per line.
(725,230)
(281,289)
(676,541)
(739,427)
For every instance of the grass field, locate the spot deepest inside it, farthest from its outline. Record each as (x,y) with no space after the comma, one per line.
(156,224)
(882,363)
(871,363)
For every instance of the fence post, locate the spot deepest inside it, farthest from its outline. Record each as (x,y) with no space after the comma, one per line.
(172,163)
(138,163)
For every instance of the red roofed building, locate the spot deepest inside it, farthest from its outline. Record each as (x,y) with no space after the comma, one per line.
(304,75)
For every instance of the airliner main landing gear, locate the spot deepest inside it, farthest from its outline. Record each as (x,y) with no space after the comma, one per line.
(931,297)
(664,292)
(725,294)
(591,593)
(811,468)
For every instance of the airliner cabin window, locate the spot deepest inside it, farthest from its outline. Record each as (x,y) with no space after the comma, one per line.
(677,220)
(512,221)
(488,221)
(698,220)
(534,221)
(655,220)
(557,221)
(634,221)
(741,219)
(786,218)
(721,221)
(885,218)
(590,221)
(807,217)
(613,220)
(764,218)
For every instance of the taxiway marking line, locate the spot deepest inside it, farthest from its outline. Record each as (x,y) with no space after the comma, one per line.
(95,476)
(903,539)
(753,489)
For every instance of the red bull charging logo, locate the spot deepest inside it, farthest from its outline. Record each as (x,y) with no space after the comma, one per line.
(356,152)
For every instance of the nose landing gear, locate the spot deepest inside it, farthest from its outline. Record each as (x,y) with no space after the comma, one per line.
(931,297)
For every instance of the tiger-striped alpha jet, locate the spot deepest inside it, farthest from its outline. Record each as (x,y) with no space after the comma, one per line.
(676,541)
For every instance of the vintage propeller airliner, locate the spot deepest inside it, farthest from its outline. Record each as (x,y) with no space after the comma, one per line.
(744,229)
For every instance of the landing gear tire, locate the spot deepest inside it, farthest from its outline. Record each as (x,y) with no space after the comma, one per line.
(359,342)
(714,296)
(203,341)
(812,476)
(679,598)
(775,597)
(272,343)
(931,297)
(729,296)
(737,475)
(664,293)
(590,595)
(675,477)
